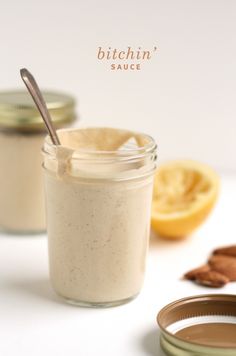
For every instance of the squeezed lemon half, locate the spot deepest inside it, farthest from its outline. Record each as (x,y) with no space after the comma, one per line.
(184,194)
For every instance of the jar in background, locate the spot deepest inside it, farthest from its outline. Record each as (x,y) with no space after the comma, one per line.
(98,187)
(22,132)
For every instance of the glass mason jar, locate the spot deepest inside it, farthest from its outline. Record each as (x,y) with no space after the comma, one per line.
(98,186)
(22,133)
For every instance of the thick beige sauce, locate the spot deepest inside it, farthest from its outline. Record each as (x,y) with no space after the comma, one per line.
(98,234)
(22,207)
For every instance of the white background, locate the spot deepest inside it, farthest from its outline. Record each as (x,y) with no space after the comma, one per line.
(184,97)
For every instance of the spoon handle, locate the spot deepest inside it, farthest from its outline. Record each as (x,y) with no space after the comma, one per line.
(36,94)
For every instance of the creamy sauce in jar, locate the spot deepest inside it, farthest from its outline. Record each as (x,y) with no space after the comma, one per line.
(22,133)
(21,185)
(98,213)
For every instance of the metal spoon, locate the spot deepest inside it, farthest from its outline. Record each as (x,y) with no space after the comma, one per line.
(37,96)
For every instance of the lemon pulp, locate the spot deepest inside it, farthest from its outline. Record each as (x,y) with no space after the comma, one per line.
(184,194)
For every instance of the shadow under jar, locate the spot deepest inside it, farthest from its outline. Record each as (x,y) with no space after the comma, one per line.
(22,134)
(98,187)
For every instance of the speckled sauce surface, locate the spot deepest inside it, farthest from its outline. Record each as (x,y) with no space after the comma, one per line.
(98,234)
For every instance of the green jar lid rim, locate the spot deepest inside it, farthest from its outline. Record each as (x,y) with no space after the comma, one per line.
(18,111)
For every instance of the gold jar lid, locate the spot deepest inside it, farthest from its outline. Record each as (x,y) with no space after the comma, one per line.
(199,325)
(18,111)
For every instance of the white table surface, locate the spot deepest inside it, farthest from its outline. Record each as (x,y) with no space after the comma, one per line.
(35,322)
